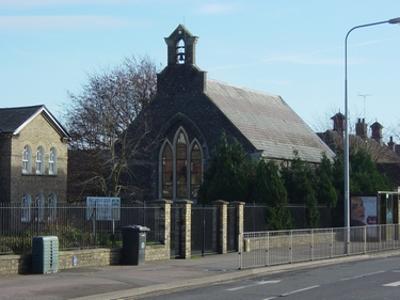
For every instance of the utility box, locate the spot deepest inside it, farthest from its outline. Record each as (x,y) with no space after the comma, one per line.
(134,244)
(45,254)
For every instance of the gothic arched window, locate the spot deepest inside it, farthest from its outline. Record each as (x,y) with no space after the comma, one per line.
(167,171)
(180,52)
(196,170)
(181,166)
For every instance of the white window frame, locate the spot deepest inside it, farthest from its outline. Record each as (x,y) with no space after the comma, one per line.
(39,165)
(53,161)
(27,160)
(40,207)
(26,208)
(52,205)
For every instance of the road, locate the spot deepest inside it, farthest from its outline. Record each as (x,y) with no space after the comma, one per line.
(371,279)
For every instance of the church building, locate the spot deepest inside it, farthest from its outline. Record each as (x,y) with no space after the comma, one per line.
(173,138)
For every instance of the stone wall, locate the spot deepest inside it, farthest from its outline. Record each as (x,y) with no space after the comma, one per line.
(287,241)
(157,252)
(21,264)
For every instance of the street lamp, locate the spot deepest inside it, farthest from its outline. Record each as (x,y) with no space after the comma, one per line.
(346,132)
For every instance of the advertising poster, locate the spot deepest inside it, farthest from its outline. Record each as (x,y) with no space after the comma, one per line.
(363,210)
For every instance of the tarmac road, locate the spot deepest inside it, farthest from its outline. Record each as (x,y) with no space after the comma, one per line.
(370,279)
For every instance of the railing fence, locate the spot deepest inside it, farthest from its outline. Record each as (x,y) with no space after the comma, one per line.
(270,248)
(76,227)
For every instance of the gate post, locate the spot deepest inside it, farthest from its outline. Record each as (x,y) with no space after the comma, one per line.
(165,222)
(186,228)
(239,223)
(221,227)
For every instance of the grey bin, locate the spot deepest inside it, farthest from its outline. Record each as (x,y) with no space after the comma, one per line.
(133,244)
(45,254)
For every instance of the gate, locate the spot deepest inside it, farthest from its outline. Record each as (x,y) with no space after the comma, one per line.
(204,230)
(232,241)
(176,231)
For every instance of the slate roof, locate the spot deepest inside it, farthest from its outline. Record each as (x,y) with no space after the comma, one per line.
(380,153)
(13,117)
(267,122)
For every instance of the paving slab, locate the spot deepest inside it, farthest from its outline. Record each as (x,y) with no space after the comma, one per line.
(81,282)
(131,282)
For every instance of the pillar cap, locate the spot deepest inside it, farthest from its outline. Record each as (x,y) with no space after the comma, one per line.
(183,201)
(220,202)
(161,201)
(238,203)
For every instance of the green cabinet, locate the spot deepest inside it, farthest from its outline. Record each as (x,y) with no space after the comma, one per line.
(45,254)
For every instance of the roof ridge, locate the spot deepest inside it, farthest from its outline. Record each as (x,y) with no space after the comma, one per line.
(22,107)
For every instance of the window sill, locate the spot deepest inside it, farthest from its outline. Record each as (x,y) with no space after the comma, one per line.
(38,175)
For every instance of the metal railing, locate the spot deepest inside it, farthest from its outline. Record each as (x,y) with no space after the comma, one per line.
(268,248)
(77,227)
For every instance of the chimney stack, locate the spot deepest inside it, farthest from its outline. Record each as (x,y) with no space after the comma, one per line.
(391,144)
(361,128)
(339,123)
(376,134)
(397,149)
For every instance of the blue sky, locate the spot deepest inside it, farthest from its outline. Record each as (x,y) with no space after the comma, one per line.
(287,47)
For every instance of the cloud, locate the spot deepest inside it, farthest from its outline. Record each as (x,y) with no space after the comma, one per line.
(217,8)
(65,22)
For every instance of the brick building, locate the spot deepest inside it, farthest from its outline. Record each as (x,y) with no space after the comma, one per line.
(33,157)
(175,135)
(386,156)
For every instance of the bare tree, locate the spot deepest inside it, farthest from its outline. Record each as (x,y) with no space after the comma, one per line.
(98,118)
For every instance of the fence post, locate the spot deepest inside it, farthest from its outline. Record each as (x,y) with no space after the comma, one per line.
(222,226)
(312,244)
(268,250)
(379,237)
(291,246)
(165,222)
(239,223)
(365,239)
(240,252)
(332,241)
(186,228)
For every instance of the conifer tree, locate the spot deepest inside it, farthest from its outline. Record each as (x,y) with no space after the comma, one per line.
(269,189)
(228,174)
(299,179)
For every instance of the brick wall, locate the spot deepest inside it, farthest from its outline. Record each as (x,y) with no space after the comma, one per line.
(37,133)
(5,168)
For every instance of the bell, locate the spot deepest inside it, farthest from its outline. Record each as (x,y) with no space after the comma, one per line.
(181,57)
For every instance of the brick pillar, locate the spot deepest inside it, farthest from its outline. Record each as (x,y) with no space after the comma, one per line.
(165,221)
(239,223)
(186,228)
(222,226)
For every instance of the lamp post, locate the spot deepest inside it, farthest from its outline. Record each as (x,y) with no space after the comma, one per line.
(346,132)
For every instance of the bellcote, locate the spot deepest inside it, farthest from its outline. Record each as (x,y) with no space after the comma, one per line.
(181,47)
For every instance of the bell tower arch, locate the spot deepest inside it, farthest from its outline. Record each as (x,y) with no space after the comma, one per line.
(181,46)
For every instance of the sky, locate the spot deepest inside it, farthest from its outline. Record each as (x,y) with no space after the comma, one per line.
(291,48)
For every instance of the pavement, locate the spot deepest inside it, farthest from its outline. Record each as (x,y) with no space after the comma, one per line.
(153,278)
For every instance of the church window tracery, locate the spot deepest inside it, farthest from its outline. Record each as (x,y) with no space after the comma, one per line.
(181,167)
